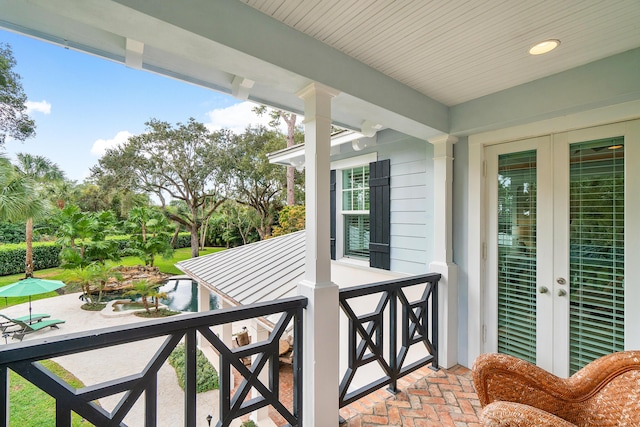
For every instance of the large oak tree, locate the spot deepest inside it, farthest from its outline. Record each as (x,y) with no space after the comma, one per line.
(173,163)
(255,182)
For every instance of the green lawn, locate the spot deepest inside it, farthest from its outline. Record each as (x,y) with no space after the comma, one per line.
(165,265)
(31,407)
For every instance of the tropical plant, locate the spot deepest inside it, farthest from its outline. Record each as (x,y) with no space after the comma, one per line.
(101,275)
(86,278)
(144,289)
(83,237)
(150,234)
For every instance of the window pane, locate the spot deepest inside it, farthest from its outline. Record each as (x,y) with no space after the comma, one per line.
(517,254)
(356,231)
(355,189)
(597,250)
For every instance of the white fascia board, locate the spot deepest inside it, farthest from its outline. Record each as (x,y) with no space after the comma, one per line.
(294,156)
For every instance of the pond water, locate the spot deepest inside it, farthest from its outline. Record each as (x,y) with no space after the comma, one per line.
(182,295)
(125,306)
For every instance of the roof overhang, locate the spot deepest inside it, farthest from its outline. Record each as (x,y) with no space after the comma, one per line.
(294,156)
(216,43)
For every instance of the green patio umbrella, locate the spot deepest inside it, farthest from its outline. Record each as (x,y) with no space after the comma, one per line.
(28,287)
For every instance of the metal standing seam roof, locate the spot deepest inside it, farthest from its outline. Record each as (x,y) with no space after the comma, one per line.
(261,271)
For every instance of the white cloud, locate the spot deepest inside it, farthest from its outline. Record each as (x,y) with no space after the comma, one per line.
(40,106)
(237,117)
(102,145)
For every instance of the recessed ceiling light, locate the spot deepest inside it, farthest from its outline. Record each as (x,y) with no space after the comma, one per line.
(614,147)
(544,47)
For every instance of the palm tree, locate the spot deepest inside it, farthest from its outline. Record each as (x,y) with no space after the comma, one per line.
(40,170)
(14,192)
(145,289)
(102,274)
(86,277)
(19,202)
(60,192)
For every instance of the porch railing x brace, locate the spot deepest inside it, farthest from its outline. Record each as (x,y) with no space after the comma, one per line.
(23,359)
(418,325)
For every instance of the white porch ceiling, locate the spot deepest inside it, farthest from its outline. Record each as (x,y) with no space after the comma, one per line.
(457,50)
(421,67)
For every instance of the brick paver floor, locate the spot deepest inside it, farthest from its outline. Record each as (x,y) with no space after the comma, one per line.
(444,398)
(426,398)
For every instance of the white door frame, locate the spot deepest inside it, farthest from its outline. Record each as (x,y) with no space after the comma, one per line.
(577,126)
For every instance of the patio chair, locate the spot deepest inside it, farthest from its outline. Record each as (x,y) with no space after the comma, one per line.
(514,392)
(7,322)
(241,339)
(34,327)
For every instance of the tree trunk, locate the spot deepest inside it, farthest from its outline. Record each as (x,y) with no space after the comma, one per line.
(28,264)
(195,241)
(203,235)
(174,239)
(291,183)
(291,130)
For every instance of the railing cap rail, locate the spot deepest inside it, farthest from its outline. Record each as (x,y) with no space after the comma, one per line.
(388,285)
(61,345)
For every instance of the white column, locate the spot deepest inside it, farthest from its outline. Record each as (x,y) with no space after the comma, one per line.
(320,380)
(225,333)
(443,249)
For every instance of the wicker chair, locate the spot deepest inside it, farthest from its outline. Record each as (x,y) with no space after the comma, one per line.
(604,393)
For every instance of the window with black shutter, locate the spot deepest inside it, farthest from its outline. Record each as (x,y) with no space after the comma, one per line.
(365,213)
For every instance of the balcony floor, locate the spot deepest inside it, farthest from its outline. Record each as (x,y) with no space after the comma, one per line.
(427,398)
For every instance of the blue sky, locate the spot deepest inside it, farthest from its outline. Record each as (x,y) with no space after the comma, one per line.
(83,104)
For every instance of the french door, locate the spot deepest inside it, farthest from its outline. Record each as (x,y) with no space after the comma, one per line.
(555,248)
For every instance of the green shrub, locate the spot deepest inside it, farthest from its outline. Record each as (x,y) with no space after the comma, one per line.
(183,241)
(11,233)
(12,257)
(206,378)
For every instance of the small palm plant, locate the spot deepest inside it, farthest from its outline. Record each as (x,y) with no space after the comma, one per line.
(145,289)
(156,295)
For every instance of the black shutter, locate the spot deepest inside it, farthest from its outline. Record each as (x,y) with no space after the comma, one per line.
(379,214)
(332,212)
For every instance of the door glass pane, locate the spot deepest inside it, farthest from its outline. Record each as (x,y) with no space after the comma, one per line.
(597,250)
(517,254)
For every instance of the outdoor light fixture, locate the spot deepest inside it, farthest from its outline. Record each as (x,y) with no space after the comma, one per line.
(209,418)
(297,163)
(544,47)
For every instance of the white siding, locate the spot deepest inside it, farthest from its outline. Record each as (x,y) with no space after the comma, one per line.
(411,204)
(411,198)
